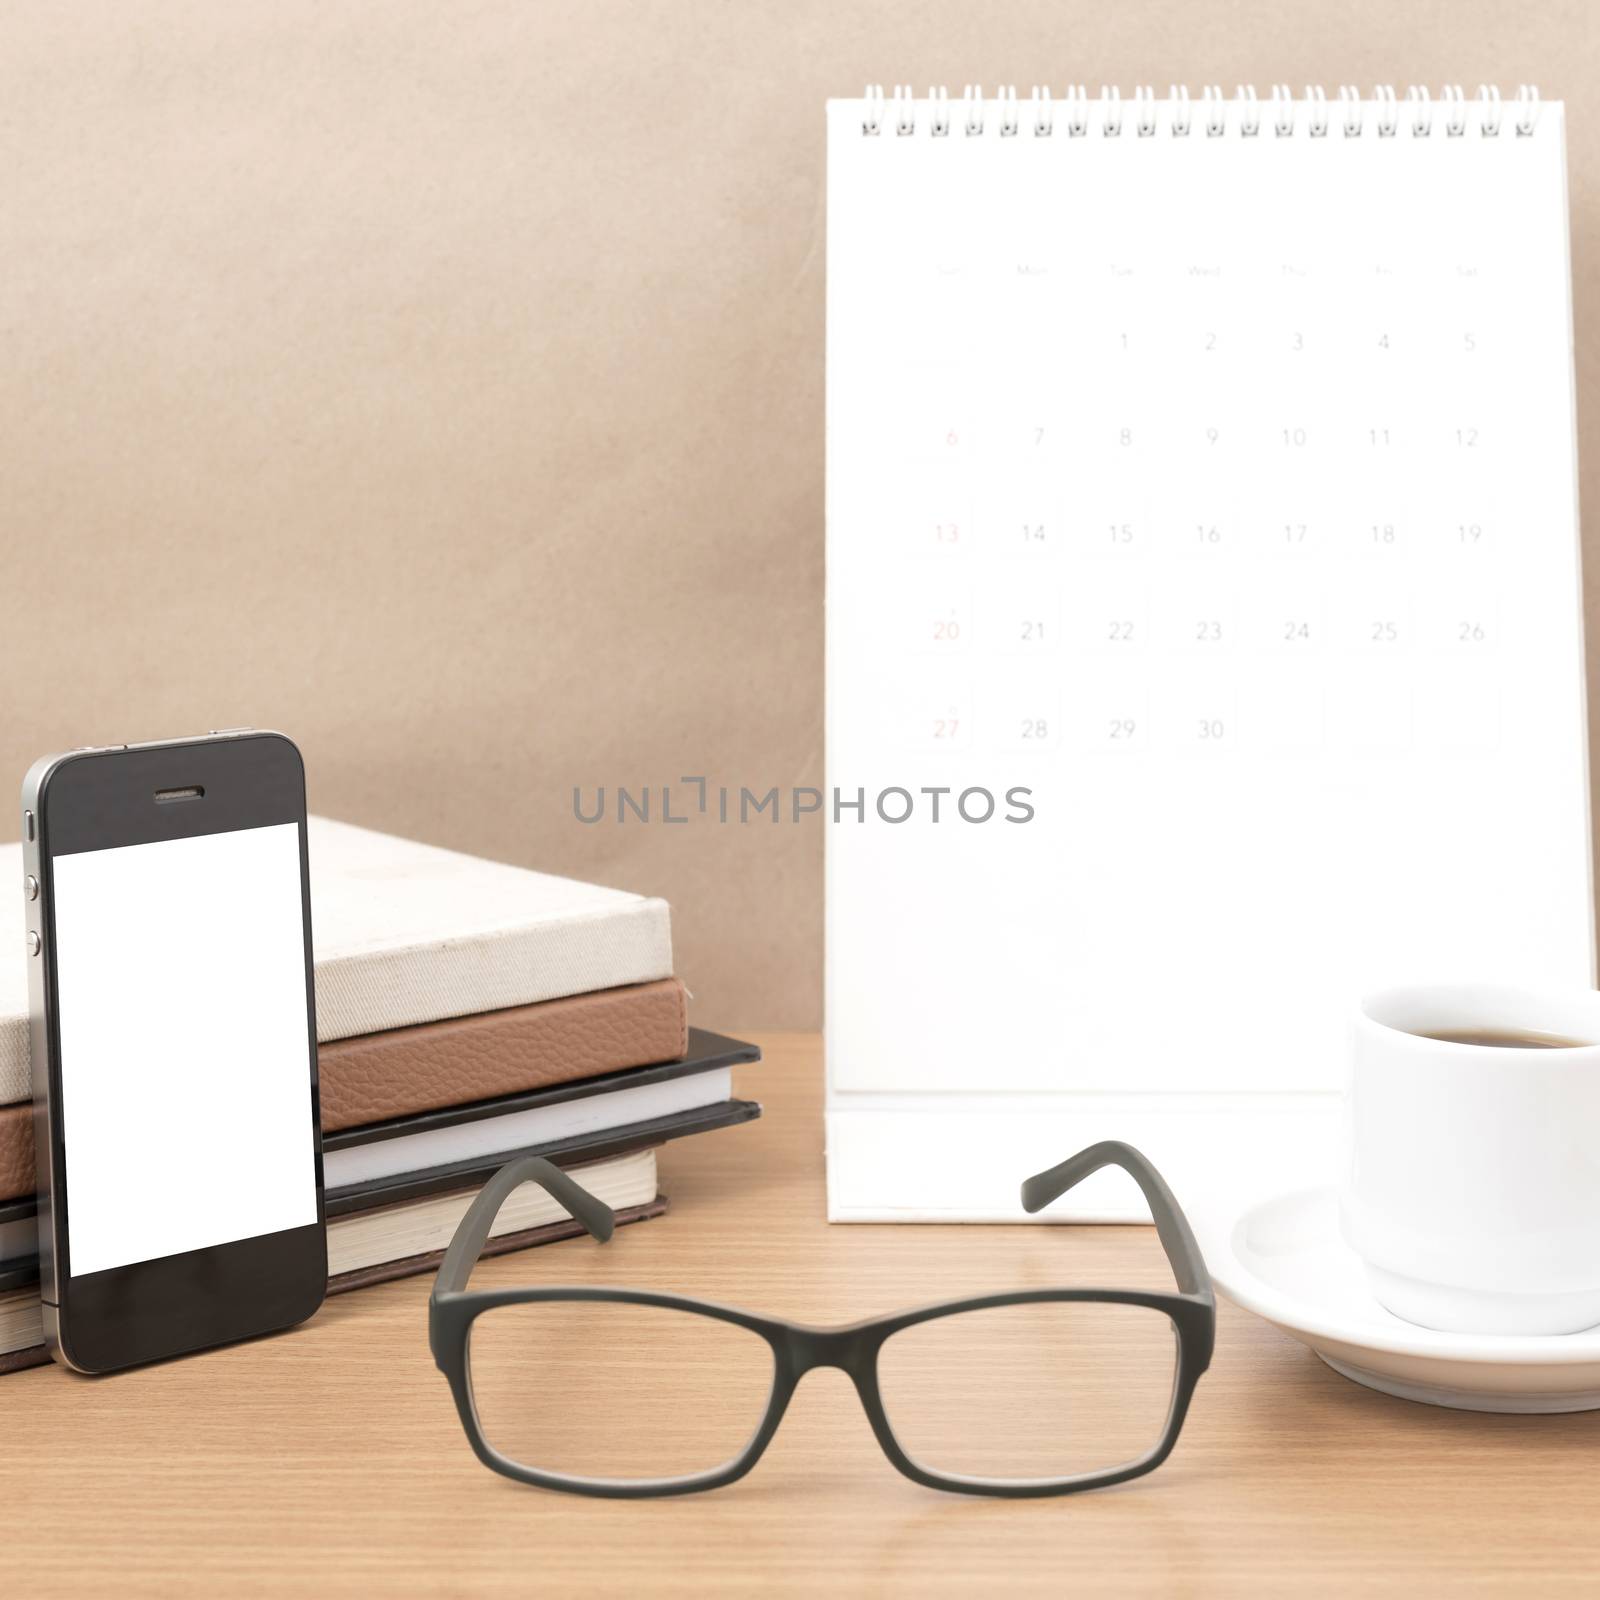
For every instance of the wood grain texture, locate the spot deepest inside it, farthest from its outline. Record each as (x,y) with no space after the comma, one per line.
(330,1461)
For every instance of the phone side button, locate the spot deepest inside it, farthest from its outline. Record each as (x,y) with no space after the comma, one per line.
(33,942)
(30,887)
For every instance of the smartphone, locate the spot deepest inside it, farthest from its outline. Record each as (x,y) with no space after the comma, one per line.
(174,1044)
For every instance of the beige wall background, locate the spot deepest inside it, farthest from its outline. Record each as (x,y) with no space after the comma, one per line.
(442,384)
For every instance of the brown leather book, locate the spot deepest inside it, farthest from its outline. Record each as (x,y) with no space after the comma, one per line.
(377,1076)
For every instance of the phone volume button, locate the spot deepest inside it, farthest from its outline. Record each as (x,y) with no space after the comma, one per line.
(30,887)
(33,942)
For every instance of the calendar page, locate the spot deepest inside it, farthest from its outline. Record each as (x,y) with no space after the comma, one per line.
(1204,613)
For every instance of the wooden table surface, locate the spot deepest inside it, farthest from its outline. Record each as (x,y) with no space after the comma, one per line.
(330,1460)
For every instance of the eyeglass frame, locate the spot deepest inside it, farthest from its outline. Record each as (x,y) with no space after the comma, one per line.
(797,1348)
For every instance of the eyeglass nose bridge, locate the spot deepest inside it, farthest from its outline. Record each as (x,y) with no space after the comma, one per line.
(850,1349)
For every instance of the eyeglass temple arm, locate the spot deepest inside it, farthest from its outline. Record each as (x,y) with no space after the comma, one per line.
(1172,1227)
(473,1233)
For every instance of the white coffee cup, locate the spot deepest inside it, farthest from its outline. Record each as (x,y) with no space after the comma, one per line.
(1471,1187)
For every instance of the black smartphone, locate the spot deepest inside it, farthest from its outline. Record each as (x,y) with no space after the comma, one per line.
(174,1046)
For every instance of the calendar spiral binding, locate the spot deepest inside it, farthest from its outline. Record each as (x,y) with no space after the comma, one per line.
(1213,114)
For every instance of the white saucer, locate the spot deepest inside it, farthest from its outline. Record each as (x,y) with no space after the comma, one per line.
(1285,1260)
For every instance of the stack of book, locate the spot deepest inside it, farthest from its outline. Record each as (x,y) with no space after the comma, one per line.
(467,1012)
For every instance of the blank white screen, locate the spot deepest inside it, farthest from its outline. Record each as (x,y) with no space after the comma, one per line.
(180,972)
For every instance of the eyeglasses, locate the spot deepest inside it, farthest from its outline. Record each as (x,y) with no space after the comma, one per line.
(632,1393)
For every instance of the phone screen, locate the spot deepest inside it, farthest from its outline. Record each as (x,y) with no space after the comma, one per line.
(186,1110)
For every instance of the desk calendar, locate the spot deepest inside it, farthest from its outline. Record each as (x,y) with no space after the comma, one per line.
(1202,478)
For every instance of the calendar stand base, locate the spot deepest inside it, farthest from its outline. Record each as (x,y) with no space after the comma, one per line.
(962,1158)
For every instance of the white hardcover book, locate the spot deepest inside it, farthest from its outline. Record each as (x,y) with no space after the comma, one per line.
(406,933)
